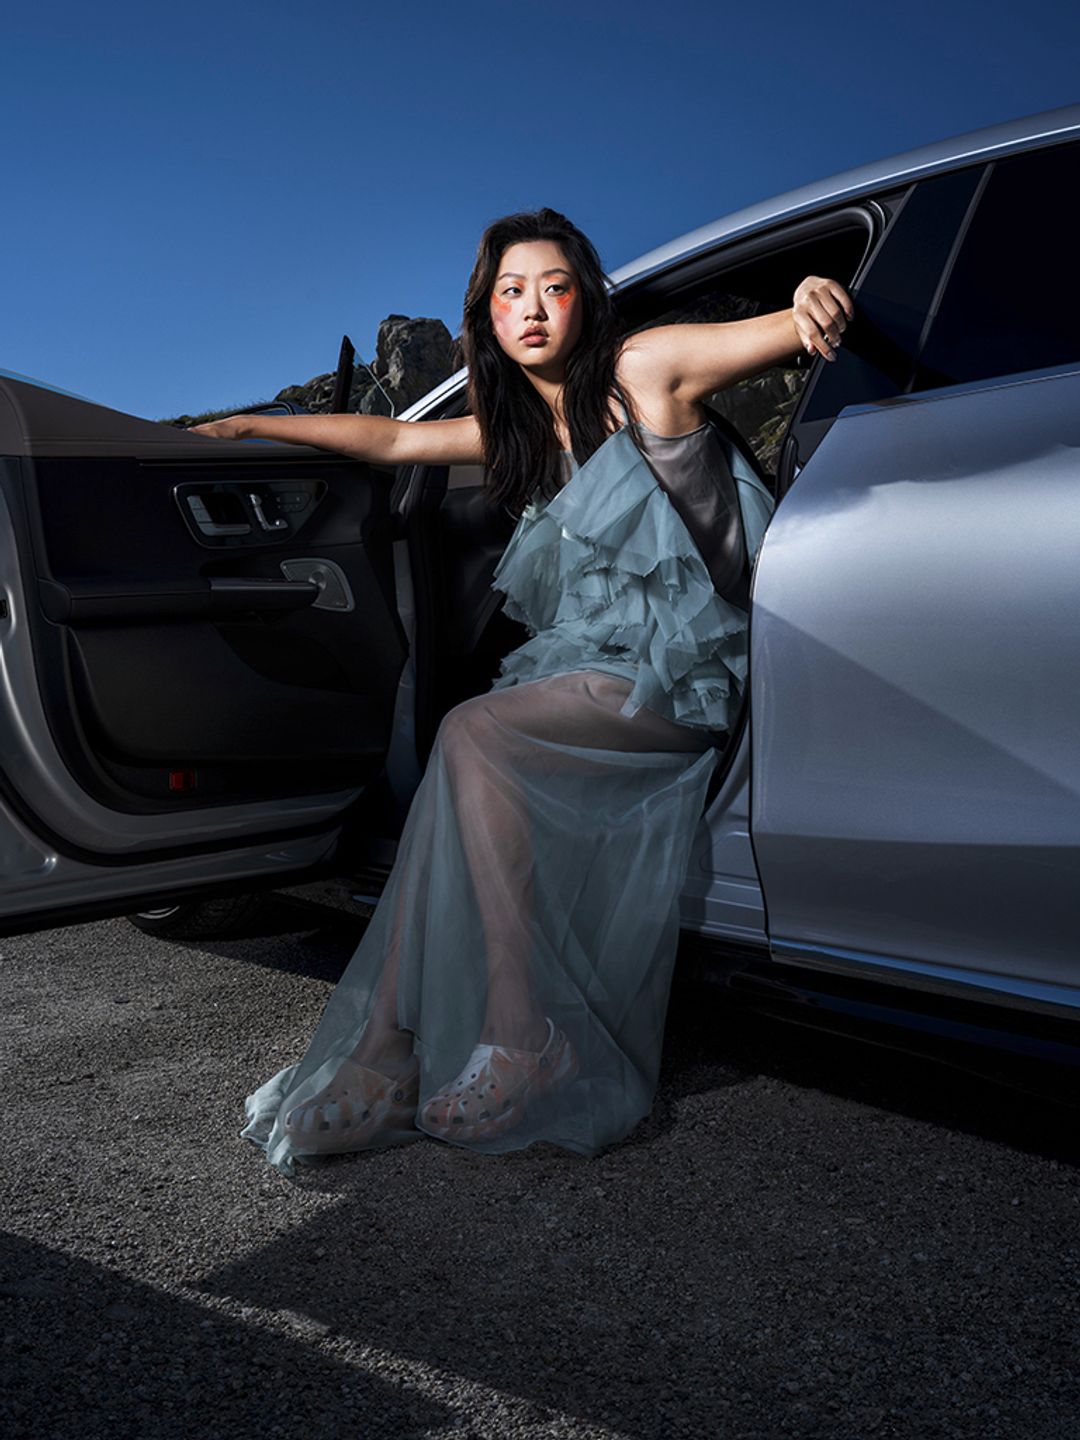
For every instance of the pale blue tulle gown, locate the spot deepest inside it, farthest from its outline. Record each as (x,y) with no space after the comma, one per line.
(552,829)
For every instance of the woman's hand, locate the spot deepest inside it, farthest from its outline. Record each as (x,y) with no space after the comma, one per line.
(232,427)
(822,309)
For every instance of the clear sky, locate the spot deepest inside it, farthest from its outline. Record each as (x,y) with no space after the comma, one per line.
(201,199)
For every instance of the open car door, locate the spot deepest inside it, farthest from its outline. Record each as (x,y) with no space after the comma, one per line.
(199,657)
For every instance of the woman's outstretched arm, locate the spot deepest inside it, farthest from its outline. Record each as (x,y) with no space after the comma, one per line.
(365,437)
(694,360)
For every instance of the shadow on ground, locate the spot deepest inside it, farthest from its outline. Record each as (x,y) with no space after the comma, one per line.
(90,1353)
(760,1257)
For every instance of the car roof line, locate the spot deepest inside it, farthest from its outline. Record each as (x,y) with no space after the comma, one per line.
(1044,128)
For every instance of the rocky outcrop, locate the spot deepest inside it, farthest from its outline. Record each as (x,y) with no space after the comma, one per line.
(412,356)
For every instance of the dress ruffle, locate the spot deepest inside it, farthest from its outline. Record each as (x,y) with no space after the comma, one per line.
(606,576)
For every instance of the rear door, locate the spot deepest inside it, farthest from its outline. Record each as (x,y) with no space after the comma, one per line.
(915,663)
(200,655)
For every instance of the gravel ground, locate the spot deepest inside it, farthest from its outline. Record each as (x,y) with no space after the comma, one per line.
(806,1238)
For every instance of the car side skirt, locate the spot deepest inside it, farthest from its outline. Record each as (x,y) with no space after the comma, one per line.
(1013,992)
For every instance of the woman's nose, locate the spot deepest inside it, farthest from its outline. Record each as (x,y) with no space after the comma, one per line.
(536,309)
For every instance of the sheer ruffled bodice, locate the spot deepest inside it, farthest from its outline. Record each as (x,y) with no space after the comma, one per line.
(606,576)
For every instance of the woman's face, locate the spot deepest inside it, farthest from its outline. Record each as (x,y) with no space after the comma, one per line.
(536,306)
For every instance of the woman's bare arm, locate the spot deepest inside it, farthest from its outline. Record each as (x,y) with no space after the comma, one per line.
(364,437)
(688,362)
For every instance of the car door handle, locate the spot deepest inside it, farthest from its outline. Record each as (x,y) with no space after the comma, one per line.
(208,525)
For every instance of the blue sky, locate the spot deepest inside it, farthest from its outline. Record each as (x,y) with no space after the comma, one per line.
(200,200)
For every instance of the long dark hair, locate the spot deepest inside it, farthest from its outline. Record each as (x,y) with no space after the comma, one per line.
(521,451)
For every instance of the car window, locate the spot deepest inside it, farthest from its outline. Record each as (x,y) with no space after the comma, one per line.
(892,299)
(759,407)
(1011,302)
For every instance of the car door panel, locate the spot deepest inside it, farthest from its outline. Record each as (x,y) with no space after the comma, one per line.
(41,886)
(179,678)
(915,666)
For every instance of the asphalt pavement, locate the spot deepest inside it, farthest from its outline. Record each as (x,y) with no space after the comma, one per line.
(806,1238)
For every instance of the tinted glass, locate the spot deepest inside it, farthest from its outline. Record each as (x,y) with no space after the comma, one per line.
(877,357)
(1012,302)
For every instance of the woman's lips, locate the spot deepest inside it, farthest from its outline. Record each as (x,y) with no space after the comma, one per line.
(535,338)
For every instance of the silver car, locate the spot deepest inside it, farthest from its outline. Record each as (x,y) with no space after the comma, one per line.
(223,663)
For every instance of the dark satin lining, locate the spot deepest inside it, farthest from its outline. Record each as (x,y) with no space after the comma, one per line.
(693,472)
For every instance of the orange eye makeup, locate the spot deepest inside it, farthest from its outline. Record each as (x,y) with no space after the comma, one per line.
(564,300)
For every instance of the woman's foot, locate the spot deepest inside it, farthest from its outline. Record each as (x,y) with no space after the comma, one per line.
(491,1094)
(359,1109)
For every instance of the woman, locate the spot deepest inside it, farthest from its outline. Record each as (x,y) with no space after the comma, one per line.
(513,983)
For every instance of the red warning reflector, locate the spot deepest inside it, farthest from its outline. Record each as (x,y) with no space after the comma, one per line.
(182,780)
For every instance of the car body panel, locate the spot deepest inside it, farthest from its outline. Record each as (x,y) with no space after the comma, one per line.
(722,898)
(915,670)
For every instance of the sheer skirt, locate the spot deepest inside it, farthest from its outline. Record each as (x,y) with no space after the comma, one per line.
(539,871)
